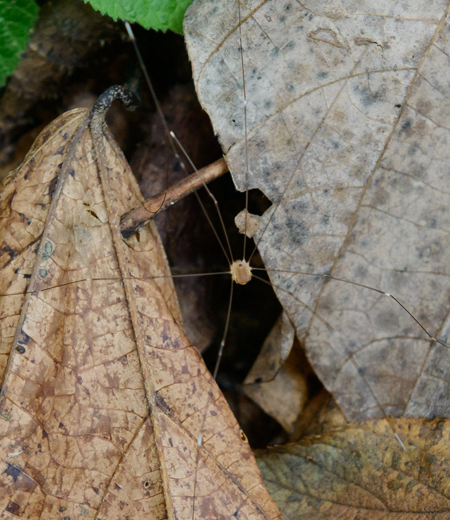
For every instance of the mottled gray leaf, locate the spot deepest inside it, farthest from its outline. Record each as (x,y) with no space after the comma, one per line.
(348,128)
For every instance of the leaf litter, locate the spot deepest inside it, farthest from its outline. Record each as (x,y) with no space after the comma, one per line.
(103,396)
(147,484)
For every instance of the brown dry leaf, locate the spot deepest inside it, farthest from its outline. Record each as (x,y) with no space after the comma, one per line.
(361,472)
(348,129)
(320,415)
(103,397)
(274,352)
(277,381)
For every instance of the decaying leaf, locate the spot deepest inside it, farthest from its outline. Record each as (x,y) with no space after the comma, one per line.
(361,472)
(278,379)
(103,398)
(320,415)
(274,352)
(348,117)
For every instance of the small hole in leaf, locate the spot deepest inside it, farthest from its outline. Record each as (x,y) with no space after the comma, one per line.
(147,484)
(258,203)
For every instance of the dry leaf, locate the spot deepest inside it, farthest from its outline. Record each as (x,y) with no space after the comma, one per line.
(274,352)
(361,472)
(348,118)
(278,379)
(320,415)
(103,398)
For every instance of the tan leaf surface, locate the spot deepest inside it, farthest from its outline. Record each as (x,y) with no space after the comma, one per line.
(277,381)
(103,398)
(361,472)
(348,126)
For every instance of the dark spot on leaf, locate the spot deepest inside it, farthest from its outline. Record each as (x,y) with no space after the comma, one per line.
(396,461)
(12,472)
(43,273)
(52,187)
(62,509)
(48,249)
(161,403)
(25,219)
(24,338)
(21,349)
(13,508)
(72,172)
(407,124)
(12,253)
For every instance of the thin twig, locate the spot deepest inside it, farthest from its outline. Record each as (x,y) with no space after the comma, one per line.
(137,217)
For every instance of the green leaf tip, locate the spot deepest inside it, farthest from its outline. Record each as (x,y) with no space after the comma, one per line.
(160,15)
(16,22)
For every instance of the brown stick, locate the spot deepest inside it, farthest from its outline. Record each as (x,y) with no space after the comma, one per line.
(137,217)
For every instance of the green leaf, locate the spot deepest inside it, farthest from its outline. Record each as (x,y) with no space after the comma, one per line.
(16,21)
(151,14)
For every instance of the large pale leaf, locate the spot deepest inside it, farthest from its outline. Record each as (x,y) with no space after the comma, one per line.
(103,398)
(348,118)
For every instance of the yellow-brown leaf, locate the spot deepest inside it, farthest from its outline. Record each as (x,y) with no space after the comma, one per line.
(362,472)
(104,398)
